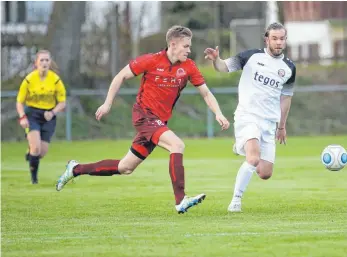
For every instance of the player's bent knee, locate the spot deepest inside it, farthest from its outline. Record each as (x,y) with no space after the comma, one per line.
(264,173)
(131,160)
(44,149)
(178,147)
(43,153)
(126,168)
(265,169)
(265,176)
(127,171)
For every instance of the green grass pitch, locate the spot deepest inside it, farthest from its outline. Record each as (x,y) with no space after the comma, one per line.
(300,211)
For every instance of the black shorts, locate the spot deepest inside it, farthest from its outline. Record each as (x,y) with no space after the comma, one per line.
(38,122)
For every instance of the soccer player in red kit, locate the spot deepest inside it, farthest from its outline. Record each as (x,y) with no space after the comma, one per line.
(165,75)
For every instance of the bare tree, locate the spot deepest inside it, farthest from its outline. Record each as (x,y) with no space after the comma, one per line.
(138,25)
(125,39)
(94,50)
(64,38)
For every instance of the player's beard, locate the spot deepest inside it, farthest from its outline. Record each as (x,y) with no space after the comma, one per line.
(276,52)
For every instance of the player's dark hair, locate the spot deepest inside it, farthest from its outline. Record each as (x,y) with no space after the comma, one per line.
(178,32)
(274,26)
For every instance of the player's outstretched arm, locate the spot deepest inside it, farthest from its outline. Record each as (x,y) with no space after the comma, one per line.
(281,134)
(117,81)
(212,103)
(218,63)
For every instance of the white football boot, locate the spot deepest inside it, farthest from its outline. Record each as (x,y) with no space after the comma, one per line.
(188,202)
(235,205)
(67,176)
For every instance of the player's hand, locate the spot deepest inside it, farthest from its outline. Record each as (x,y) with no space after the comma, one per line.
(211,54)
(222,121)
(24,123)
(48,115)
(102,110)
(281,135)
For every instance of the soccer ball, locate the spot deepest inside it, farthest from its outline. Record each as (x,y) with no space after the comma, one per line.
(334,157)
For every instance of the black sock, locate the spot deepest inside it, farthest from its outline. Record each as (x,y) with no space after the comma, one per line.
(34,162)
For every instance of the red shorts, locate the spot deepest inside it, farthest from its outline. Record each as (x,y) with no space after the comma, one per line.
(149,128)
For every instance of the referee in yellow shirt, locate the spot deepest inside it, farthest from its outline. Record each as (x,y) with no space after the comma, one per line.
(41,96)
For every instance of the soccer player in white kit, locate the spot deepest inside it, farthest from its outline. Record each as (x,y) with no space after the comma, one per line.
(265,92)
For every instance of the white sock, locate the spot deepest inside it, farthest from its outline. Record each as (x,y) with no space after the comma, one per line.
(243,178)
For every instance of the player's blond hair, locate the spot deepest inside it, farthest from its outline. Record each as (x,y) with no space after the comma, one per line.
(53,66)
(178,31)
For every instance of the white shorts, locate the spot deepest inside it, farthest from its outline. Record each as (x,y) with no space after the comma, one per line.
(248,126)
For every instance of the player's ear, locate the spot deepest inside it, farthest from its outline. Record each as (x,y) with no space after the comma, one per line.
(173,44)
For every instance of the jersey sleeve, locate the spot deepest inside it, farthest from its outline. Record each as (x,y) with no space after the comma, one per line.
(141,64)
(239,61)
(195,76)
(233,63)
(60,91)
(23,90)
(288,87)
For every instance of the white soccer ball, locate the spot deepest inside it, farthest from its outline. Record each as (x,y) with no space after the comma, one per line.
(334,157)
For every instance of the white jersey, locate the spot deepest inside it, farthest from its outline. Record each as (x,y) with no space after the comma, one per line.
(264,78)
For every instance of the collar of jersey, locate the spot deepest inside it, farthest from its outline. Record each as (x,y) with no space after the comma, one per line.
(279,57)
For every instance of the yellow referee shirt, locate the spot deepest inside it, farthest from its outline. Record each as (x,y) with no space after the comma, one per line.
(41,94)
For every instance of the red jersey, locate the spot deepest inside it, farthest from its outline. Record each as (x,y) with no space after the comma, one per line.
(162,82)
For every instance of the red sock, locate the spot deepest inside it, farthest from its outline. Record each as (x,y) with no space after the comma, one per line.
(101,168)
(177,175)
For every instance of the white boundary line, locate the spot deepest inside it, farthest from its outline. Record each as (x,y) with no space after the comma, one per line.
(224,234)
